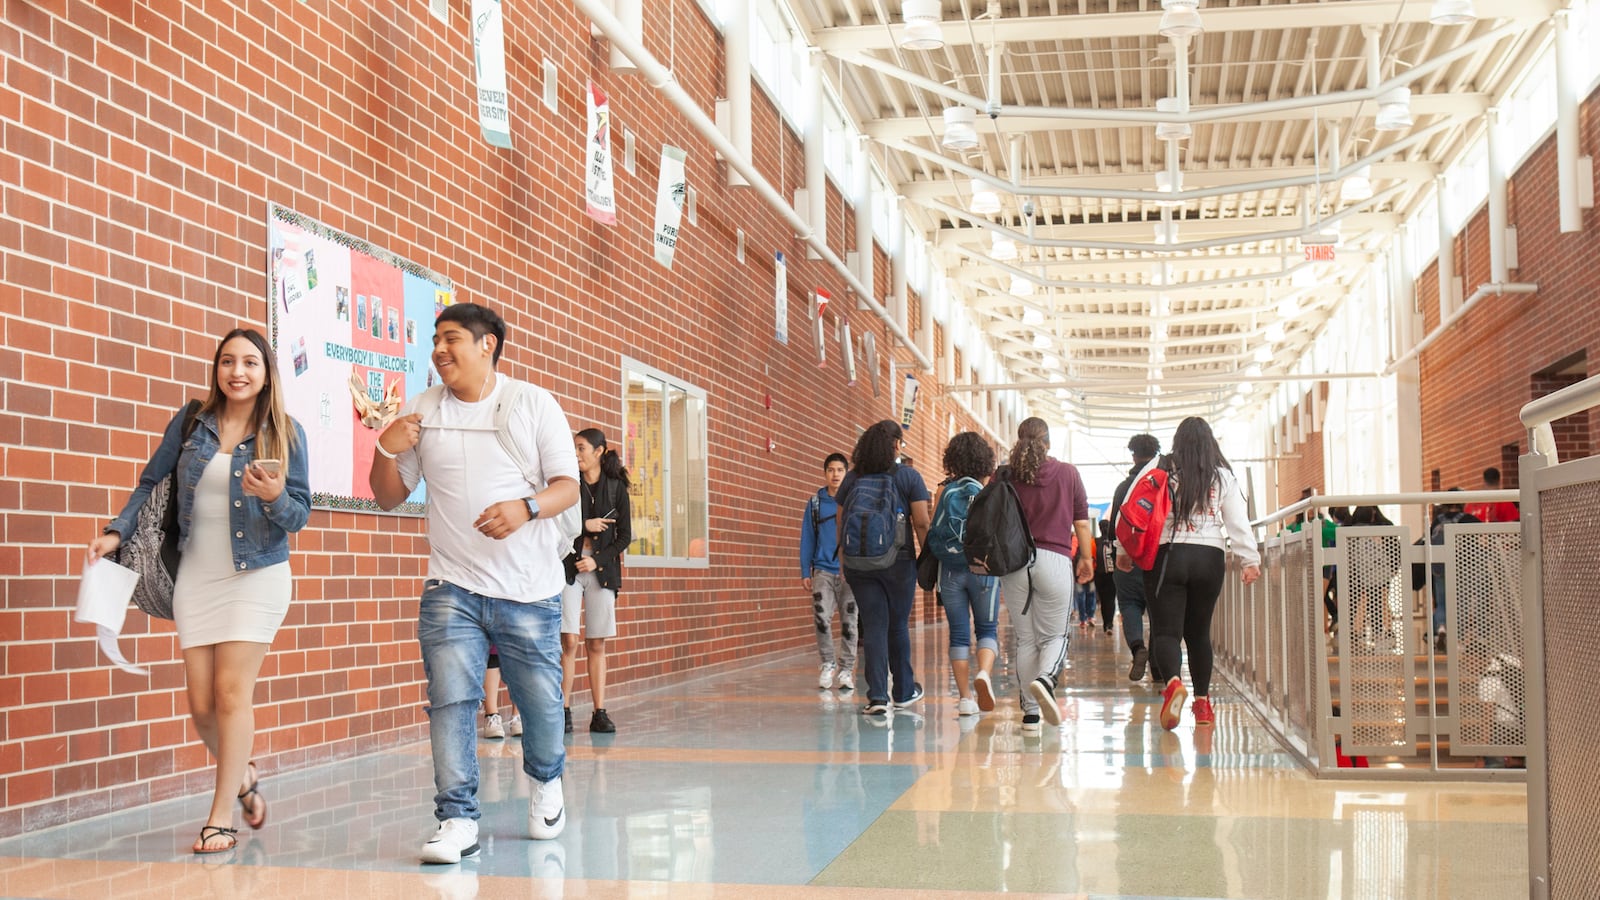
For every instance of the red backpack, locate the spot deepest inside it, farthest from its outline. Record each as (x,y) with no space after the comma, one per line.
(1143,517)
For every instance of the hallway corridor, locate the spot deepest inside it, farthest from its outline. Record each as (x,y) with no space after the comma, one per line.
(754,783)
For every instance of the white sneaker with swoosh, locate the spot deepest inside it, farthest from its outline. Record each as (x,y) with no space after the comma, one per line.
(547,812)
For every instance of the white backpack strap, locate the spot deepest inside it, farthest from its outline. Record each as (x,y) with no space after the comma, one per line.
(427,404)
(511,397)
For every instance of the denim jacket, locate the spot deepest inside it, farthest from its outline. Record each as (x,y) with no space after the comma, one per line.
(260,530)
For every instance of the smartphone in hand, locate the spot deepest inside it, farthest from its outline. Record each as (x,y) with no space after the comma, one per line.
(270,466)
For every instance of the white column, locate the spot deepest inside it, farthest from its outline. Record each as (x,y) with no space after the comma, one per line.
(816,167)
(863,201)
(1498,271)
(1566,127)
(897,261)
(1447,254)
(631,14)
(736,38)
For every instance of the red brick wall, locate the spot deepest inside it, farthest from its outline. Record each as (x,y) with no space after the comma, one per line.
(141,147)
(1478,375)
(1302,464)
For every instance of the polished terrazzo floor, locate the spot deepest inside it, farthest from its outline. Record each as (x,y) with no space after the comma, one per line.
(755,783)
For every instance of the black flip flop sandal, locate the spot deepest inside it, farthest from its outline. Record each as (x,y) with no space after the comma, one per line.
(211,831)
(246,805)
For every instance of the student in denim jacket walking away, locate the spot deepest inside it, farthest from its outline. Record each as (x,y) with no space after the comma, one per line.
(243,487)
(819,572)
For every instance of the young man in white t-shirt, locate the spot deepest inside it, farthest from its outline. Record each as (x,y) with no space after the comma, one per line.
(494,572)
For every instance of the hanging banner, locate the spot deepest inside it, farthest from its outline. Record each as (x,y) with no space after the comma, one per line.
(847,353)
(908,401)
(819,336)
(869,351)
(489,48)
(822,302)
(599,190)
(671,191)
(780,303)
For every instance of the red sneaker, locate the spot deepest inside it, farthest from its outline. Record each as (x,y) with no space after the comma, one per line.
(1172,702)
(1202,712)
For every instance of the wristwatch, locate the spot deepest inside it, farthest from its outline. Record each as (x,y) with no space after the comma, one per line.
(533,508)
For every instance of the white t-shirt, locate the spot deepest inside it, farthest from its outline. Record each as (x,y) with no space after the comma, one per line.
(1223,521)
(460,457)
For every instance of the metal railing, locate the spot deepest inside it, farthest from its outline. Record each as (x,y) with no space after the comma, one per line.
(1560,568)
(1376,687)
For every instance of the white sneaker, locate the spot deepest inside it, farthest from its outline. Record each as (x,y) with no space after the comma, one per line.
(825,676)
(454,839)
(493,727)
(847,680)
(966,706)
(514,727)
(547,811)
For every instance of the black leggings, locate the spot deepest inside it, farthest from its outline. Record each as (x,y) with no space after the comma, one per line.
(1182,608)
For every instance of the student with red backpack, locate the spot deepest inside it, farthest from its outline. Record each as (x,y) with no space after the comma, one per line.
(1207,517)
(971,600)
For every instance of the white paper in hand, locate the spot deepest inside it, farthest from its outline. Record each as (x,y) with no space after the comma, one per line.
(103,597)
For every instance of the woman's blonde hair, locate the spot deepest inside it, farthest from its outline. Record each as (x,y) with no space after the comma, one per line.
(1030,450)
(275,436)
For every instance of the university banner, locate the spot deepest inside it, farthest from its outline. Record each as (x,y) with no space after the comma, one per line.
(599,188)
(847,352)
(908,401)
(489,49)
(352,326)
(671,192)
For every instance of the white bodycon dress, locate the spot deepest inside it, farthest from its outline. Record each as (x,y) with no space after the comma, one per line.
(212,602)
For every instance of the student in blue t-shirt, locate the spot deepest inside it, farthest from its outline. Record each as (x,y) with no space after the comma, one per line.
(885,595)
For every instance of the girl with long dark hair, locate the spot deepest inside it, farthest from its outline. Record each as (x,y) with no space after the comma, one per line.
(594,570)
(1208,518)
(884,596)
(243,486)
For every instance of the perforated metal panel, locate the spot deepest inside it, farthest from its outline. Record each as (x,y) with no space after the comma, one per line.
(1302,604)
(1377,675)
(1483,622)
(1570,570)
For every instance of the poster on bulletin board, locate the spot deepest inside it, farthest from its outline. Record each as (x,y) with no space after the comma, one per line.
(352,327)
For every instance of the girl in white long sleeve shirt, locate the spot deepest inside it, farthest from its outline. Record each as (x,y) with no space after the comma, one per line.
(1208,520)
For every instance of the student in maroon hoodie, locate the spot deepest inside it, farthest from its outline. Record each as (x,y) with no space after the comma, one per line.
(1052,497)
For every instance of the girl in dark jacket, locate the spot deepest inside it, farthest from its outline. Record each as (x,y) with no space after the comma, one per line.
(594,569)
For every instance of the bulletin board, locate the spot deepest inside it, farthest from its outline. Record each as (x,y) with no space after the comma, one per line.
(352,328)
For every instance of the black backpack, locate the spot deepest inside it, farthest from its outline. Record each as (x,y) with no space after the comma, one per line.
(997,540)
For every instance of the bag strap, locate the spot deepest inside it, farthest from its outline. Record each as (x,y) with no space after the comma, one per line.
(191,418)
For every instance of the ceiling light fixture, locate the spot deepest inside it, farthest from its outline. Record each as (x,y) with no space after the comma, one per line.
(1169,183)
(1171,131)
(1181,18)
(1394,110)
(1042,341)
(1003,248)
(1357,186)
(1452,12)
(1263,354)
(1031,316)
(1021,287)
(922,25)
(985,201)
(960,130)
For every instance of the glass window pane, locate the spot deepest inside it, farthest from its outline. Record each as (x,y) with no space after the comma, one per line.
(698,474)
(644,453)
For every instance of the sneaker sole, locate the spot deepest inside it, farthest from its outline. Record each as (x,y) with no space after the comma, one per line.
(1048,710)
(439,859)
(985,692)
(1172,707)
(1031,728)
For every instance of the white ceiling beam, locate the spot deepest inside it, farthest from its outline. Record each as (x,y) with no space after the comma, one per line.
(1193,179)
(1102,26)
(1455,106)
(1188,230)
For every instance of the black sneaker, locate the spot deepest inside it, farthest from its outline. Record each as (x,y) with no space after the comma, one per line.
(601,723)
(1030,724)
(566,713)
(1141,658)
(916,694)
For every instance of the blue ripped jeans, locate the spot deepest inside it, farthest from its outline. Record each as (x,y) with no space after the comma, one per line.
(455,628)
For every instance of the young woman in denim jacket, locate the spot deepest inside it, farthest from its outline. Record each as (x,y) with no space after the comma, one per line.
(236,510)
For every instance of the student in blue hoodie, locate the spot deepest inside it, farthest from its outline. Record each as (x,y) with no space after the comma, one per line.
(819,572)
